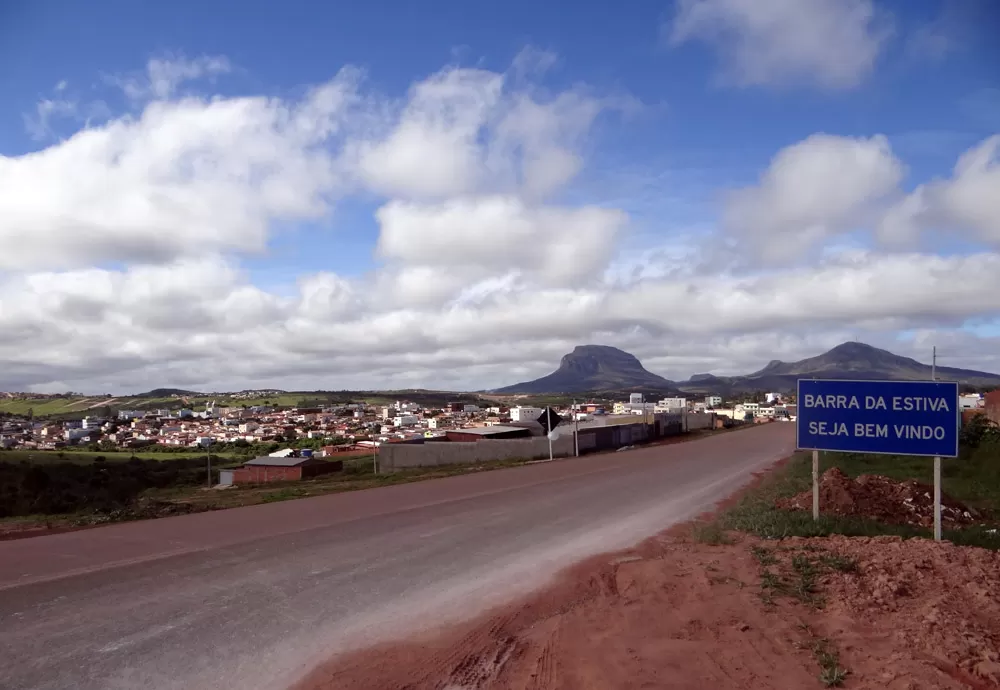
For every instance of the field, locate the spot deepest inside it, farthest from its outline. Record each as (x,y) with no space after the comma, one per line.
(49,457)
(80,406)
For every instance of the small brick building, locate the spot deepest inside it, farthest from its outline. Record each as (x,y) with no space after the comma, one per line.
(268,469)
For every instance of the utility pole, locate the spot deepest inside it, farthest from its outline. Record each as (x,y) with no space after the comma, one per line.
(209,449)
(576,431)
(934,363)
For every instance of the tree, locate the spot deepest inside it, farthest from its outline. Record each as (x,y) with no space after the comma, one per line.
(977,430)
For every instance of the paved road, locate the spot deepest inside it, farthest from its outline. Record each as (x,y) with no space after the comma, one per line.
(254,597)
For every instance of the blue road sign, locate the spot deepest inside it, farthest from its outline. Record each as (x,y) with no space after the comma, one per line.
(896,417)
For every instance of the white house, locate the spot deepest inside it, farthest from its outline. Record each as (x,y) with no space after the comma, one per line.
(969,401)
(670,404)
(713,400)
(525,414)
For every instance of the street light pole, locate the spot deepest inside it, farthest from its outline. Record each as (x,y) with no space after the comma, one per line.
(209,451)
(576,431)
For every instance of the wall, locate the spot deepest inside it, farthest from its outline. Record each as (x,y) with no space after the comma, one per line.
(256,474)
(700,421)
(603,434)
(394,456)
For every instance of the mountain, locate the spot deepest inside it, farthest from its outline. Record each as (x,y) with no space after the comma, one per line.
(167,393)
(846,361)
(594,368)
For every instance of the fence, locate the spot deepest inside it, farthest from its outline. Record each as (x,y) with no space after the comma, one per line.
(596,436)
(396,456)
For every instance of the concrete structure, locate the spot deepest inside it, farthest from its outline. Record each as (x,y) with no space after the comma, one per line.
(405,420)
(735,413)
(525,414)
(635,399)
(970,401)
(76,434)
(268,469)
(395,456)
(672,405)
(487,432)
(701,420)
(713,400)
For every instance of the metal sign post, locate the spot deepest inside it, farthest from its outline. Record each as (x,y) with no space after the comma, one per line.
(885,417)
(815,485)
(549,420)
(937,498)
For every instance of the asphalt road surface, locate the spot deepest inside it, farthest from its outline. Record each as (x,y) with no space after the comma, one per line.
(252,598)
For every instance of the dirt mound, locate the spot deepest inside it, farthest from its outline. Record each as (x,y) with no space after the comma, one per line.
(886,500)
(922,603)
(902,615)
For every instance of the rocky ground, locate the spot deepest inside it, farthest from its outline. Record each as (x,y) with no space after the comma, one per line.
(736,613)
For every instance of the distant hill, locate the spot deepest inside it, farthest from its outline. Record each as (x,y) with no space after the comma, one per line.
(846,361)
(590,368)
(166,393)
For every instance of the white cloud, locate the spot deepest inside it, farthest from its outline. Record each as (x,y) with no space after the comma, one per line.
(464,131)
(165,74)
(39,125)
(501,233)
(968,202)
(120,268)
(831,43)
(813,190)
(185,177)
(200,323)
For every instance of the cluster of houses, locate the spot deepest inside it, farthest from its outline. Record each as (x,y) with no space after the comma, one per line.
(353,423)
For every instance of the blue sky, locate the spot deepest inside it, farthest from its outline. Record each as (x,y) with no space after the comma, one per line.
(681,124)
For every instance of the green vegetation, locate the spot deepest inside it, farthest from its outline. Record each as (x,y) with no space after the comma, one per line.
(711,533)
(76,494)
(973,478)
(100,486)
(78,406)
(828,658)
(794,572)
(86,457)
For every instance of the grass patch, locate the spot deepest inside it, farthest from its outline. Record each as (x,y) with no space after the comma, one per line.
(831,674)
(839,562)
(79,457)
(794,572)
(711,533)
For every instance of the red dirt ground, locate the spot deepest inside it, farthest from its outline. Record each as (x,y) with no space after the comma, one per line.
(673,613)
(871,495)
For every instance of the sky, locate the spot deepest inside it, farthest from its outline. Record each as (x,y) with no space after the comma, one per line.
(448,195)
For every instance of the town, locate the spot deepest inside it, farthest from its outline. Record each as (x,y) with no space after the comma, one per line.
(332,429)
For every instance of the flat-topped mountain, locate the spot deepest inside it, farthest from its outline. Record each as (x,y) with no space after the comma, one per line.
(594,368)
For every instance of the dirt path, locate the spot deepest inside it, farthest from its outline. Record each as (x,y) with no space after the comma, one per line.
(674,613)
